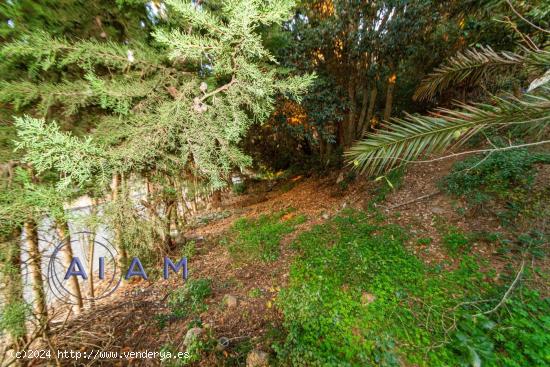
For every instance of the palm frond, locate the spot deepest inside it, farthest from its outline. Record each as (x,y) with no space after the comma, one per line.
(475,65)
(405,140)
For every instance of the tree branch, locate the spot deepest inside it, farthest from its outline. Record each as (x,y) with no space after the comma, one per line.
(507,294)
(468,152)
(220,89)
(526,20)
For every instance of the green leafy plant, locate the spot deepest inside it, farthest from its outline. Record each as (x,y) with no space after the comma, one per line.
(186,301)
(12,318)
(255,293)
(504,177)
(455,241)
(495,174)
(350,275)
(239,188)
(188,250)
(424,241)
(259,239)
(388,183)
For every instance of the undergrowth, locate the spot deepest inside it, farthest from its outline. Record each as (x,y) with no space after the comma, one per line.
(186,301)
(357,297)
(259,239)
(502,176)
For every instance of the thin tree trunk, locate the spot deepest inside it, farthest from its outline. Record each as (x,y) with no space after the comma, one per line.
(12,287)
(39,301)
(91,285)
(372,105)
(167,244)
(389,96)
(363,114)
(122,256)
(91,251)
(217,199)
(64,235)
(349,128)
(152,209)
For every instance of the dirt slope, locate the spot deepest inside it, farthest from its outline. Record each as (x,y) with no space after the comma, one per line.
(126,322)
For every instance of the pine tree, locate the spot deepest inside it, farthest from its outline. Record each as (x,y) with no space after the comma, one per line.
(175,104)
(184,104)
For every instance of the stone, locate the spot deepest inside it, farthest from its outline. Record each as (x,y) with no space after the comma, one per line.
(223,343)
(257,358)
(230,301)
(191,335)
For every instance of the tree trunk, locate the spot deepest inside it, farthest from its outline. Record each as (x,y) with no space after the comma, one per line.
(372,105)
(12,288)
(217,199)
(363,114)
(349,128)
(39,297)
(122,256)
(91,251)
(167,235)
(91,285)
(389,96)
(74,288)
(152,209)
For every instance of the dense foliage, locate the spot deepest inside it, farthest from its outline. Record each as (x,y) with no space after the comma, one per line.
(357,297)
(497,173)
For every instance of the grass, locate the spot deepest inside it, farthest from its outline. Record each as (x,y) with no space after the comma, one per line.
(358,297)
(255,293)
(259,239)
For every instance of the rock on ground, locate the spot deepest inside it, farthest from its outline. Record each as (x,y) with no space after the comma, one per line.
(257,358)
(191,335)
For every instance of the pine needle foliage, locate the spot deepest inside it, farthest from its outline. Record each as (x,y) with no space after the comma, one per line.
(181,103)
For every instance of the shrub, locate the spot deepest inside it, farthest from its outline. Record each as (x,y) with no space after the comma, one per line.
(455,241)
(12,318)
(186,301)
(392,181)
(498,174)
(239,188)
(190,298)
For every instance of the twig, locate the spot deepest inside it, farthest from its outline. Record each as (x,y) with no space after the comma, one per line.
(507,294)
(220,89)
(57,363)
(30,340)
(526,20)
